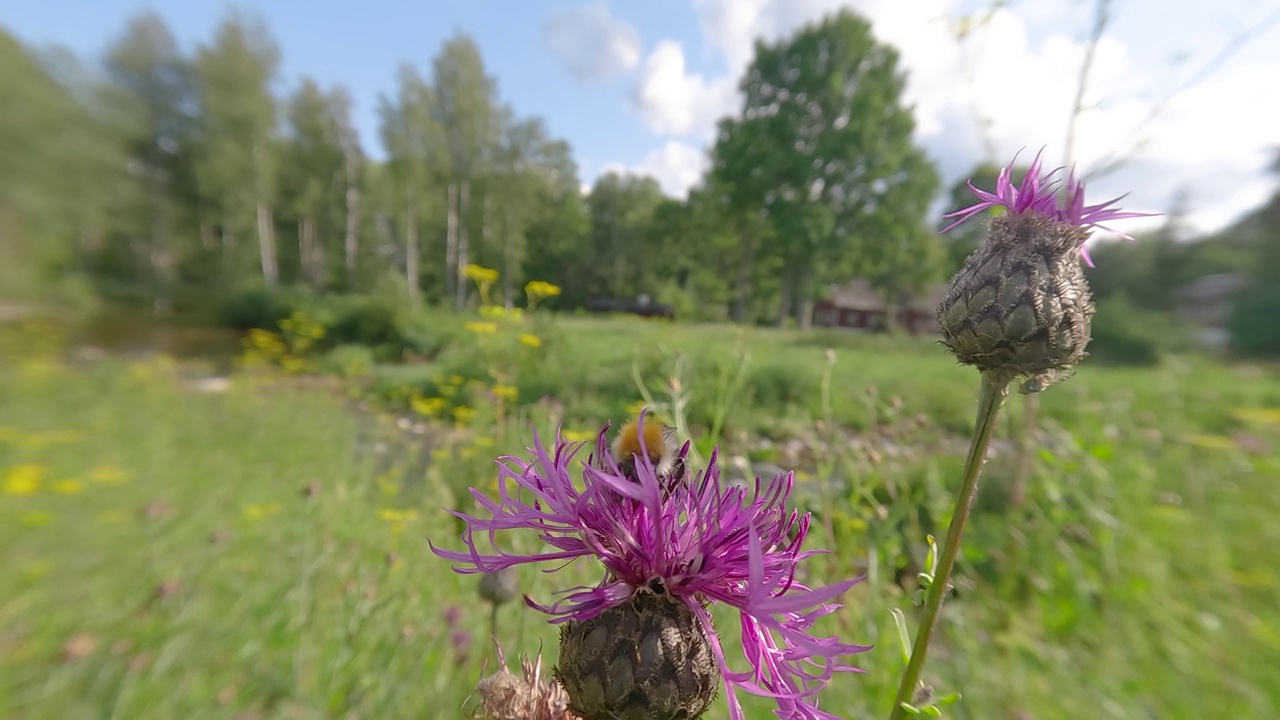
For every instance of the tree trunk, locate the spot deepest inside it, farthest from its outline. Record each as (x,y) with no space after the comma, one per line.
(304,250)
(464,205)
(619,260)
(804,299)
(891,306)
(311,252)
(208,238)
(318,257)
(742,285)
(162,264)
(267,245)
(451,244)
(351,241)
(411,246)
(786,294)
(386,234)
(266,225)
(508,292)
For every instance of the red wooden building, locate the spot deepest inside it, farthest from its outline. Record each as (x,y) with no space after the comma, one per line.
(857,305)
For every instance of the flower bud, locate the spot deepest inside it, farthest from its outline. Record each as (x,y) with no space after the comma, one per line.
(1020,306)
(499,587)
(647,659)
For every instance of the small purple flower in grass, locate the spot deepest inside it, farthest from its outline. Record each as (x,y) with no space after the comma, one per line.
(702,542)
(1039,193)
(452,615)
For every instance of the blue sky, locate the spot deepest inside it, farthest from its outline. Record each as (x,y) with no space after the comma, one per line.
(638,85)
(361,45)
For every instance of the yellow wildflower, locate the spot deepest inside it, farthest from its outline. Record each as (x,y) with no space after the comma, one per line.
(37,569)
(427,406)
(107,475)
(578,435)
(1261,416)
(38,441)
(37,518)
(56,437)
(530,340)
(538,288)
(294,365)
(258,512)
(463,414)
(506,392)
(396,519)
(493,311)
(68,487)
(635,408)
(482,328)
(24,480)
(1211,442)
(480,274)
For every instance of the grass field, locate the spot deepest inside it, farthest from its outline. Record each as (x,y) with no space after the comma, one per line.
(259,552)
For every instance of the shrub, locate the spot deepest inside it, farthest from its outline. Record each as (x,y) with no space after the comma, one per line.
(429,333)
(1254,329)
(254,307)
(349,361)
(1125,335)
(366,322)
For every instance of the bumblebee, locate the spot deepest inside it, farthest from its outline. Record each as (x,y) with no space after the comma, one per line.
(660,444)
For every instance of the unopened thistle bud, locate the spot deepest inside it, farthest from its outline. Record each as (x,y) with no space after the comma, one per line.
(647,659)
(500,586)
(1020,306)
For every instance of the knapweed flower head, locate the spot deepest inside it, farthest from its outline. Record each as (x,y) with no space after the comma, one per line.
(1039,193)
(668,555)
(1020,306)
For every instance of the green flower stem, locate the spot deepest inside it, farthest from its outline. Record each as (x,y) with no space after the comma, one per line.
(991,396)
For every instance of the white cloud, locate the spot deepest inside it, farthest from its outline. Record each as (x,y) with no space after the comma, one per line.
(675,102)
(1011,85)
(591,43)
(676,166)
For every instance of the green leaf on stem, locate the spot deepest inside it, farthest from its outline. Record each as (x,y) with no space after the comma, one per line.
(904,637)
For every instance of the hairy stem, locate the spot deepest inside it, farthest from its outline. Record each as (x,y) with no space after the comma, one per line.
(991,398)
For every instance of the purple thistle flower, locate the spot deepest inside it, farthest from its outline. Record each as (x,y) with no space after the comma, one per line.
(699,542)
(461,641)
(452,615)
(1039,193)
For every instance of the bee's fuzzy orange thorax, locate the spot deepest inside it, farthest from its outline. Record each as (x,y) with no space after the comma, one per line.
(628,442)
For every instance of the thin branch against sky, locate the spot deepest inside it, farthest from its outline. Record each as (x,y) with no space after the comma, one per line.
(1122,154)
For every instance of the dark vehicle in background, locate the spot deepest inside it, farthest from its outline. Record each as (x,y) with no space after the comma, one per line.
(641,306)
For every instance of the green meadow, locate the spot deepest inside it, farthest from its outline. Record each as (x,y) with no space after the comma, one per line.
(179,547)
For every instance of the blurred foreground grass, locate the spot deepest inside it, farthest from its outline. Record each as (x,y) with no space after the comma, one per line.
(170,552)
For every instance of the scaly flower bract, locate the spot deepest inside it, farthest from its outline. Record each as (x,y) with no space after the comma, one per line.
(1039,193)
(700,542)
